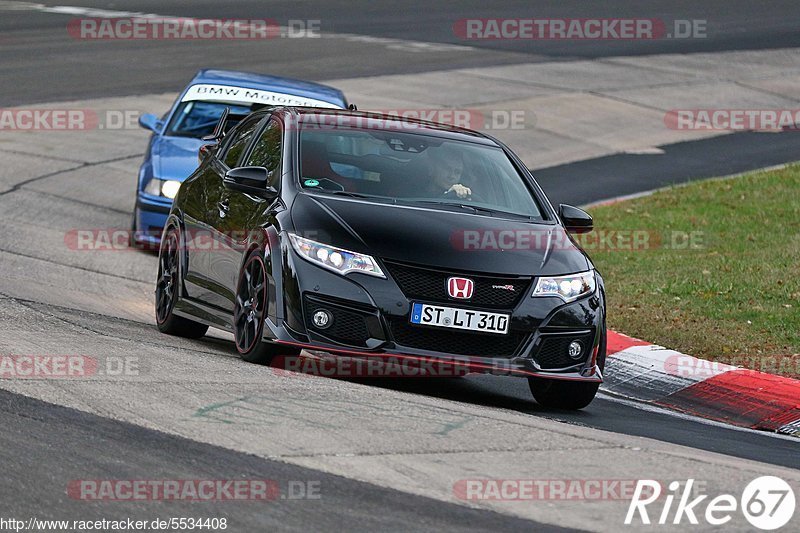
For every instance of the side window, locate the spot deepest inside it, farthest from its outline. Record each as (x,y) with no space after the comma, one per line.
(267,153)
(239,142)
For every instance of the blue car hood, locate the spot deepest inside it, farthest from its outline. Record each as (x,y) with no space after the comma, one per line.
(175,158)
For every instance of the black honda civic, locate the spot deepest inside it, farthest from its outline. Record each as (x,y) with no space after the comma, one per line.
(368,235)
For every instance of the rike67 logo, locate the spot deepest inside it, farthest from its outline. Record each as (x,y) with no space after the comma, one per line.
(768,503)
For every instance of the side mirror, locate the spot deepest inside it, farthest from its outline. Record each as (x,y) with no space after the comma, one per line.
(250,180)
(151,122)
(574,219)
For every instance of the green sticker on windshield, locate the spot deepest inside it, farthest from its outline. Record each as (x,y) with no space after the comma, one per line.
(311,183)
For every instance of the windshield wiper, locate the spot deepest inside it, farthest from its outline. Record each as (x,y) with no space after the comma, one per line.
(501,212)
(475,208)
(345,193)
(437,202)
(351,194)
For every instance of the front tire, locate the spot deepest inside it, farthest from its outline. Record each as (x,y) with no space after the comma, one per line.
(571,395)
(249,312)
(562,394)
(168,285)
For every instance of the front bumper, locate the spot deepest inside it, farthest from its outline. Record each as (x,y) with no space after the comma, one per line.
(149,217)
(372,319)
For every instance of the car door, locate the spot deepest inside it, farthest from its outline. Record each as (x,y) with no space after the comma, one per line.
(245,212)
(198,192)
(204,258)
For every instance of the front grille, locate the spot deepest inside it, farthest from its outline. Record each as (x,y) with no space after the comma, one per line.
(431,284)
(551,350)
(348,327)
(455,342)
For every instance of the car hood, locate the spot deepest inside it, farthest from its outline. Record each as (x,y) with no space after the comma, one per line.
(439,238)
(175,158)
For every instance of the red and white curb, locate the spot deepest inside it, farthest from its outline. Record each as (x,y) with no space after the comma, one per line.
(748,398)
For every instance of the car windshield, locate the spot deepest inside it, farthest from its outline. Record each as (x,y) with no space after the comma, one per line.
(198,118)
(402,167)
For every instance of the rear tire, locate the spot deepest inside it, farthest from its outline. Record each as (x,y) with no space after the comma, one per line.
(168,284)
(249,311)
(571,395)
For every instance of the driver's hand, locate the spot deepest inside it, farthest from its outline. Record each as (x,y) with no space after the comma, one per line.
(460,190)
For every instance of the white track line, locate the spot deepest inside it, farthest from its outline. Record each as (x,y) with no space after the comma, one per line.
(385,42)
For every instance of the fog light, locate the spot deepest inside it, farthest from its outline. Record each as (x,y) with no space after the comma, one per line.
(575,349)
(322,319)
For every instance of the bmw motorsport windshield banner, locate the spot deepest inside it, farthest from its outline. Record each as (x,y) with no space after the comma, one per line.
(232,94)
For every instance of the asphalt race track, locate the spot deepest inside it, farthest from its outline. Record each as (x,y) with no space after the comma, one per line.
(50,66)
(386,454)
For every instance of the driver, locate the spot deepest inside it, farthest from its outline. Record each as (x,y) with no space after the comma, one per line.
(445,175)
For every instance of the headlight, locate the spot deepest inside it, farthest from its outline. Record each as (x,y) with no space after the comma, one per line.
(165,188)
(336,259)
(568,288)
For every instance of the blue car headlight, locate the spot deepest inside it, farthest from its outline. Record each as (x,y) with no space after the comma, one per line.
(165,188)
(568,288)
(336,259)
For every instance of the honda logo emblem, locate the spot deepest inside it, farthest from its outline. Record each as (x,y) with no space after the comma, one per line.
(460,288)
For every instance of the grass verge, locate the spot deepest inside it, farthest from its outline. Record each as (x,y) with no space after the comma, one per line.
(710,269)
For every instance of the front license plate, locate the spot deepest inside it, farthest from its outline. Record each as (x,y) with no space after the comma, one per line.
(452,317)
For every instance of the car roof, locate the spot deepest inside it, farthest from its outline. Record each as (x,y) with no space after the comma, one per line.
(383,121)
(252,80)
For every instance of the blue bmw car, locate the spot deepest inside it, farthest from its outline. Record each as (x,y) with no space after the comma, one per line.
(174,147)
